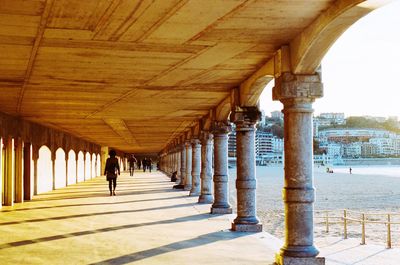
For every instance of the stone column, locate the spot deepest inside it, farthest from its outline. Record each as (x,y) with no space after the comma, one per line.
(297,93)
(221,192)
(183,165)
(84,166)
(27,172)
(178,164)
(103,158)
(9,172)
(35,157)
(19,178)
(206,168)
(245,119)
(188,177)
(196,163)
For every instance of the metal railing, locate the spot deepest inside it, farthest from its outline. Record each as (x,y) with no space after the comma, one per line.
(328,218)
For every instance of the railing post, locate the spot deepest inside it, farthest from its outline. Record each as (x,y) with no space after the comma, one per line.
(327,221)
(389,236)
(345,223)
(363,230)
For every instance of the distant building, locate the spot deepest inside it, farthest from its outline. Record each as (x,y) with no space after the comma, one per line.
(277,115)
(232,144)
(353,135)
(352,150)
(385,146)
(331,118)
(369,149)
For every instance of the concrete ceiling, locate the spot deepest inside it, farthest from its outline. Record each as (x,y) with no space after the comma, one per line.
(136,74)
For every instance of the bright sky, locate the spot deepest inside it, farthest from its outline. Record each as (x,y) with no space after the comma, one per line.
(361,71)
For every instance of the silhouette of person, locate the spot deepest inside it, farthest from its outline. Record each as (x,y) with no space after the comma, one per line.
(132,160)
(112,171)
(139,163)
(350,169)
(144,164)
(149,164)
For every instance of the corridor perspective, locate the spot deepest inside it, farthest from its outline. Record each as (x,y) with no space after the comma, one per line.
(146,223)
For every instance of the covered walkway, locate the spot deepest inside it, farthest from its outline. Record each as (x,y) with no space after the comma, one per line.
(146,223)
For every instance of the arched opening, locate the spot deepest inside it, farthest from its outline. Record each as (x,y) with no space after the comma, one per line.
(98,165)
(81,164)
(71,167)
(88,166)
(93,169)
(60,169)
(45,169)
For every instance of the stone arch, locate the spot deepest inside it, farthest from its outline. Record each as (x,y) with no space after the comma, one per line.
(45,178)
(71,167)
(81,172)
(60,169)
(308,48)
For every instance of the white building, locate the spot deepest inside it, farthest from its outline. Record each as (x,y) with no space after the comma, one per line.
(352,150)
(339,135)
(385,146)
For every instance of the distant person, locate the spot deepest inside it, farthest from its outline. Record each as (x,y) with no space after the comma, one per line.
(144,164)
(149,164)
(132,160)
(138,163)
(112,171)
(350,169)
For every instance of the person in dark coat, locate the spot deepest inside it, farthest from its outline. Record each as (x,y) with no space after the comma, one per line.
(132,160)
(112,171)
(139,163)
(144,164)
(149,164)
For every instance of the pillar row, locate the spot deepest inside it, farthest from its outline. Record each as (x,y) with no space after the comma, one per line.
(221,192)
(297,93)
(183,164)
(206,168)
(188,177)
(196,164)
(245,119)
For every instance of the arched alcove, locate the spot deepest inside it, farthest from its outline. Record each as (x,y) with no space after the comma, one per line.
(71,167)
(81,171)
(88,166)
(44,172)
(60,169)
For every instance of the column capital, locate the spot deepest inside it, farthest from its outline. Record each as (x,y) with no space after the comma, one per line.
(245,116)
(206,137)
(221,127)
(195,141)
(188,143)
(289,87)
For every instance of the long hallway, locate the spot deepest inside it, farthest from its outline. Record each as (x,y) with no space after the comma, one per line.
(145,223)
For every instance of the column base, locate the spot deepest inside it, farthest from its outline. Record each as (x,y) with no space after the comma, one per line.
(216,210)
(286,260)
(247,227)
(206,198)
(188,187)
(194,193)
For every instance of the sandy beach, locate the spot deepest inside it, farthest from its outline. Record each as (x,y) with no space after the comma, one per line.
(370,189)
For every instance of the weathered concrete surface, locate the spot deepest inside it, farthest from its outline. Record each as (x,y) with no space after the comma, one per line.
(146,223)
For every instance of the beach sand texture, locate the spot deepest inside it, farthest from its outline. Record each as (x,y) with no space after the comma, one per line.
(370,189)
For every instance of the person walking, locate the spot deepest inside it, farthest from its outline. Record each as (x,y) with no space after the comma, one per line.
(144,164)
(138,163)
(112,171)
(132,160)
(149,164)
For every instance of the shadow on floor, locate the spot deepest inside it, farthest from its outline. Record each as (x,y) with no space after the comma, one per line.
(96,214)
(185,244)
(103,230)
